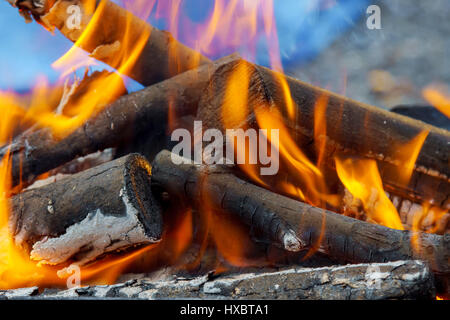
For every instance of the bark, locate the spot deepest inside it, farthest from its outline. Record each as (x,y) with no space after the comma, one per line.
(144,114)
(352,129)
(340,237)
(394,280)
(100,210)
(161,57)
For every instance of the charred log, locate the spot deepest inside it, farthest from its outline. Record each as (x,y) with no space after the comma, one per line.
(79,218)
(161,57)
(341,237)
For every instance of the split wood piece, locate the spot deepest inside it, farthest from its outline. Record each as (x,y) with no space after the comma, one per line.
(161,57)
(100,210)
(377,281)
(340,237)
(352,128)
(144,114)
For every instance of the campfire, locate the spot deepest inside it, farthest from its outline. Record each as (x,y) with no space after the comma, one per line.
(219,179)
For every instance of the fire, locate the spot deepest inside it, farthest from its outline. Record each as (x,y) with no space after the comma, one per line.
(309,179)
(407,154)
(234,109)
(182,235)
(362,179)
(94,93)
(320,129)
(63,108)
(19,109)
(228,22)
(221,32)
(234,112)
(438,99)
(16,269)
(13,113)
(229,236)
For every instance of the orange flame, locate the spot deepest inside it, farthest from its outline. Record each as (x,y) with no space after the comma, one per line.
(182,235)
(311,183)
(41,109)
(307,181)
(229,236)
(406,155)
(97,92)
(320,128)
(16,268)
(437,99)
(234,108)
(362,179)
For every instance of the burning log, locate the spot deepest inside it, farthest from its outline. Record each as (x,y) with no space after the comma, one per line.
(352,128)
(160,58)
(79,218)
(393,280)
(277,216)
(362,130)
(144,113)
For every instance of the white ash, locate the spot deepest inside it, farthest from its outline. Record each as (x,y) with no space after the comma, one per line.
(294,283)
(291,242)
(68,92)
(100,232)
(21,292)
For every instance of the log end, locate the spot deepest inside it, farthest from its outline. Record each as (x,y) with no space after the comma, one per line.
(139,194)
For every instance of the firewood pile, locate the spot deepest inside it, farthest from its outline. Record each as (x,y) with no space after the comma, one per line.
(115,190)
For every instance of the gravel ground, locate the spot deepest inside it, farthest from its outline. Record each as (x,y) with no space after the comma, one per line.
(391,66)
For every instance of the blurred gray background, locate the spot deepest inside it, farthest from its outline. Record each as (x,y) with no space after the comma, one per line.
(390,66)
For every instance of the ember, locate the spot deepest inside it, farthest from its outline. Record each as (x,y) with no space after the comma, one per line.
(274,188)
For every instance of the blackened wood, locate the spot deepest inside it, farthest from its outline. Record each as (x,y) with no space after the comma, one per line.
(161,57)
(196,186)
(352,128)
(341,237)
(143,114)
(427,114)
(79,218)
